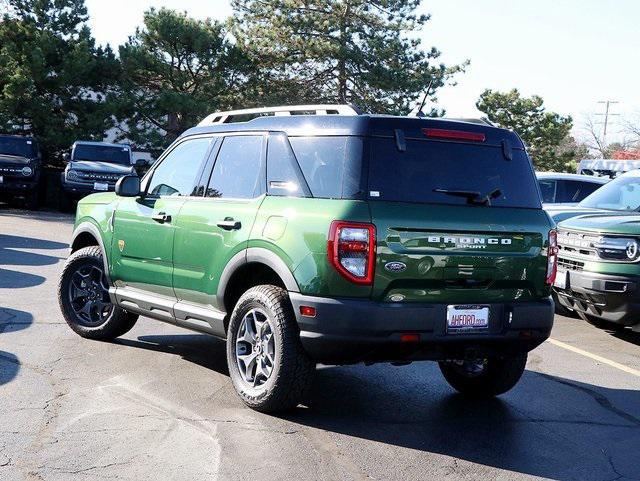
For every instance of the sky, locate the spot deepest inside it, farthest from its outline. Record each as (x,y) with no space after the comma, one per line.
(573,53)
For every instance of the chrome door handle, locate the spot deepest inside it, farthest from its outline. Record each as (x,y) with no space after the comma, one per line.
(161,217)
(229,224)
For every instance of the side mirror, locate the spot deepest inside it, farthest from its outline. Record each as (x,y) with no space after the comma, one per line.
(66,157)
(140,163)
(128,186)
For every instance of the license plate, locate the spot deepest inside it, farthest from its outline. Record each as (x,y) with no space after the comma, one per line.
(561,279)
(100,186)
(1,179)
(461,318)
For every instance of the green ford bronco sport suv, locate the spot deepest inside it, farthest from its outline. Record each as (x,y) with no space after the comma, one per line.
(333,239)
(599,256)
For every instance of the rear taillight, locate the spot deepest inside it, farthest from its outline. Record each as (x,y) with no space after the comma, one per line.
(351,250)
(552,257)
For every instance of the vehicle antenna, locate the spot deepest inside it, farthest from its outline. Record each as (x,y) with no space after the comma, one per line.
(424,100)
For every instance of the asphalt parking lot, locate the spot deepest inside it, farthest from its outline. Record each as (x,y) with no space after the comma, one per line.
(158,404)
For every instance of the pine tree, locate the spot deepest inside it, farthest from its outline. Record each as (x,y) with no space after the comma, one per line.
(343,51)
(55,83)
(176,70)
(546,134)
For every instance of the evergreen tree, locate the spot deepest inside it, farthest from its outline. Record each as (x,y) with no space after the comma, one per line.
(342,51)
(54,82)
(176,70)
(546,134)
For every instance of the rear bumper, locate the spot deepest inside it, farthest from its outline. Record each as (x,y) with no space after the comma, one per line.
(605,296)
(348,331)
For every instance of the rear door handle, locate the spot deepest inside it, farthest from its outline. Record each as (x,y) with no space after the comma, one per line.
(229,224)
(161,217)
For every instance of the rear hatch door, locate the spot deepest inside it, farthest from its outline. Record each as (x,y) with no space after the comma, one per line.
(437,241)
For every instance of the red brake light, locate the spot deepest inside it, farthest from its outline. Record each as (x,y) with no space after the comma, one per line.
(351,250)
(308,311)
(552,257)
(454,135)
(410,337)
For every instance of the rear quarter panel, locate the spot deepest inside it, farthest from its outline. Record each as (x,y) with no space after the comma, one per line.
(296,229)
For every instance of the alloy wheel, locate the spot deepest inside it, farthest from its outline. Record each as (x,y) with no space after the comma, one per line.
(89,295)
(255,348)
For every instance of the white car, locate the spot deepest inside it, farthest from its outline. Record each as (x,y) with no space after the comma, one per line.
(567,189)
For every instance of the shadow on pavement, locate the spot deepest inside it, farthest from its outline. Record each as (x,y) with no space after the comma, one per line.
(628,335)
(10,212)
(9,367)
(11,254)
(200,349)
(547,426)
(18,280)
(550,427)
(11,320)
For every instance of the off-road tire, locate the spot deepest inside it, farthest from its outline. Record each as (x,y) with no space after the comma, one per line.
(292,375)
(117,324)
(499,376)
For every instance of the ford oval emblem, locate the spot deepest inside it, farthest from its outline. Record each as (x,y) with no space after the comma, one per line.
(395,266)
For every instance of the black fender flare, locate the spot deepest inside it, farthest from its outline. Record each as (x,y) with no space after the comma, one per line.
(261,256)
(90,228)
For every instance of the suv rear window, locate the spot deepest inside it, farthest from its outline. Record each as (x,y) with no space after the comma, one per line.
(427,166)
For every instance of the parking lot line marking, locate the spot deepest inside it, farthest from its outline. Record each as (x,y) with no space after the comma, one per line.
(595,357)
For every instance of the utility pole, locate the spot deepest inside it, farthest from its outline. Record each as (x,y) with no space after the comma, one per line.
(606,115)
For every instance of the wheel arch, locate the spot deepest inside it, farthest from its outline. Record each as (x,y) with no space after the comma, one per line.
(251,267)
(87,234)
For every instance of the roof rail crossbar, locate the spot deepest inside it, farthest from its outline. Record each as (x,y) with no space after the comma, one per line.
(249,114)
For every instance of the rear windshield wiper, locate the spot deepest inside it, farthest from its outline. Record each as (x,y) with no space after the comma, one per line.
(473,197)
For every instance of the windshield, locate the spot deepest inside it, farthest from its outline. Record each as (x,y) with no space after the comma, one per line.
(17,147)
(451,173)
(102,153)
(622,193)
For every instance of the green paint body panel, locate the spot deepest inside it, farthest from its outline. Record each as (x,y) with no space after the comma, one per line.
(499,254)
(617,224)
(185,258)
(145,260)
(202,249)
(606,223)
(296,229)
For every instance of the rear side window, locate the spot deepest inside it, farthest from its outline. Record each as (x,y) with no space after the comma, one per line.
(438,172)
(238,168)
(332,166)
(283,172)
(575,191)
(548,190)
